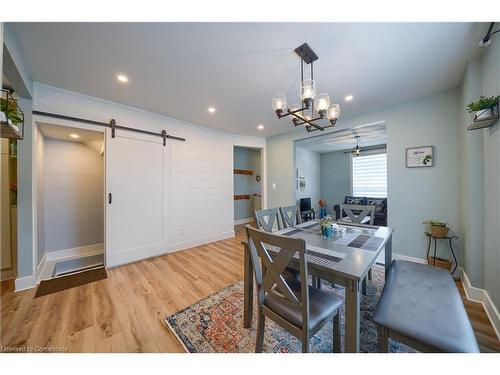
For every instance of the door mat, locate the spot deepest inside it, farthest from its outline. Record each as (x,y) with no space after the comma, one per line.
(70,281)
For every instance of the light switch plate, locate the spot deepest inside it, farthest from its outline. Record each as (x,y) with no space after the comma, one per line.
(274,185)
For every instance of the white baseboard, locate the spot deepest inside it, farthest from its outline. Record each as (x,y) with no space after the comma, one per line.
(244,221)
(409,259)
(75,252)
(46,265)
(481,296)
(23,283)
(201,241)
(40,269)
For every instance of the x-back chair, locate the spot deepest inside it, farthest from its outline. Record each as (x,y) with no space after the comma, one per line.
(290,216)
(299,308)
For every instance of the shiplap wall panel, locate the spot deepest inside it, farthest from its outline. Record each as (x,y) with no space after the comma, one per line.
(199,202)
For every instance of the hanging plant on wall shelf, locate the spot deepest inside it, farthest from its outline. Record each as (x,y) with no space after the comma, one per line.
(484,107)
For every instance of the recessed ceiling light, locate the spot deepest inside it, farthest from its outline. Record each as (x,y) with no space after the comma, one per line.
(211,109)
(260,126)
(74,136)
(348,98)
(122,78)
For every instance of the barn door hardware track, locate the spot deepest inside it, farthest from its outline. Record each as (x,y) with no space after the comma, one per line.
(112,125)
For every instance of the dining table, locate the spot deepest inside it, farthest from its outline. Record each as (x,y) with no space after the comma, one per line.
(343,259)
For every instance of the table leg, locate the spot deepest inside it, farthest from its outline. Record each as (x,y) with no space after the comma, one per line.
(247,288)
(435,246)
(388,255)
(428,248)
(352,317)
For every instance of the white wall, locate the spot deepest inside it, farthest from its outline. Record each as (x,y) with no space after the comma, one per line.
(201,171)
(309,164)
(40,193)
(73,191)
(414,194)
(491,86)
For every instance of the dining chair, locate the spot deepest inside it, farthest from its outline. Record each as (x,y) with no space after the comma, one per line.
(300,309)
(356,213)
(290,216)
(266,219)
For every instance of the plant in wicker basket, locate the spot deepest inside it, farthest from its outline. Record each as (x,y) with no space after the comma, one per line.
(437,228)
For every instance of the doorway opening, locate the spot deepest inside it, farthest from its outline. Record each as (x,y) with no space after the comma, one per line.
(69,199)
(348,166)
(247,184)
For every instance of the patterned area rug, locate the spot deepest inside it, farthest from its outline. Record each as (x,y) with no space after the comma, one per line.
(214,324)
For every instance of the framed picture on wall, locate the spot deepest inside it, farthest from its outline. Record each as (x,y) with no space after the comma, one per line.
(422,156)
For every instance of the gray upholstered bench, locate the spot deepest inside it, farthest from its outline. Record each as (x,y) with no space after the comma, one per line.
(420,306)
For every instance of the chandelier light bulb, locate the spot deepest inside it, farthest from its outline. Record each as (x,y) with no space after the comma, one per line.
(321,103)
(333,112)
(279,102)
(308,89)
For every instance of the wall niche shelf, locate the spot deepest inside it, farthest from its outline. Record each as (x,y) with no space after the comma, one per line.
(484,122)
(243,171)
(241,197)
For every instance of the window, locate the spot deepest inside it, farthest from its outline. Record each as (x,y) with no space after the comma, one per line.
(369,175)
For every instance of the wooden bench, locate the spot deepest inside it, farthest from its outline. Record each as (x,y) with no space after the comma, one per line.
(421,307)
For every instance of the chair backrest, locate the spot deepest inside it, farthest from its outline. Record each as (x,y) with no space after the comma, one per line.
(290,216)
(275,253)
(357,212)
(267,218)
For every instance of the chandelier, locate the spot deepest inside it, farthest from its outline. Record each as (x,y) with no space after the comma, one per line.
(314,107)
(356,151)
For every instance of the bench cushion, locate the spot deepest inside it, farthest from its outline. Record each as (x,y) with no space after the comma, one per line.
(423,303)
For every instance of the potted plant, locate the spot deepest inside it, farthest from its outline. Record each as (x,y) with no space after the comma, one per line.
(484,107)
(10,108)
(438,229)
(326,226)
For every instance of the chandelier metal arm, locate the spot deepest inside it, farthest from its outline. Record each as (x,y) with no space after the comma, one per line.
(309,122)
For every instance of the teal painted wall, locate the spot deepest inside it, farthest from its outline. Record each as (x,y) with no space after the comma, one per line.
(491,86)
(335,177)
(245,158)
(430,120)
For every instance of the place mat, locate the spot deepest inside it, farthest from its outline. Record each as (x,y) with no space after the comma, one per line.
(359,241)
(310,226)
(67,282)
(292,232)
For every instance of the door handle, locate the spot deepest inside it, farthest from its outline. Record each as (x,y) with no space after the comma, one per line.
(110,198)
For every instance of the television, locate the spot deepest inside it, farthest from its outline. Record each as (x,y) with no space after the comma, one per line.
(305,204)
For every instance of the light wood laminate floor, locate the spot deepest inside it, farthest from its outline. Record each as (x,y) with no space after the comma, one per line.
(123,313)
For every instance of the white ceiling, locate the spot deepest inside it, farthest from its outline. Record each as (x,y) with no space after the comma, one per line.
(341,140)
(180,69)
(62,133)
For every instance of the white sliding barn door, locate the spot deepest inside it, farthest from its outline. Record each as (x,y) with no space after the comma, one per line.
(136,170)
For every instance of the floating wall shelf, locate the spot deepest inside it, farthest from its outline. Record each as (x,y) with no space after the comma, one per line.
(243,171)
(11,131)
(241,197)
(484,122)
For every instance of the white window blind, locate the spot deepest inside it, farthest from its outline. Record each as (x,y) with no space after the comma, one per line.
(369,175)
